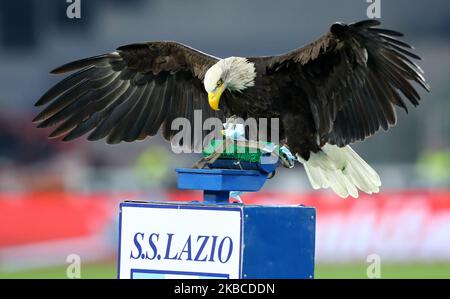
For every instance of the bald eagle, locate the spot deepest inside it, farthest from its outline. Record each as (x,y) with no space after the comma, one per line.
(340,89)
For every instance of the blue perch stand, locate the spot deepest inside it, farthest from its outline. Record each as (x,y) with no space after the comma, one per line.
(278,241)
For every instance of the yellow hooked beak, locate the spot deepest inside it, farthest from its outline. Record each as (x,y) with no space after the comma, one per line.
(214,98)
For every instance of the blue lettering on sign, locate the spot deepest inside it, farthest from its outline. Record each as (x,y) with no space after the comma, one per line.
(153,245)
(138,246)
(169,242)
(213,249)
(201,248)
(186,249)
(230,250)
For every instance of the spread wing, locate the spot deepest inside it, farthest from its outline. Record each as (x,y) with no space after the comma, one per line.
(353,77)
(128,94)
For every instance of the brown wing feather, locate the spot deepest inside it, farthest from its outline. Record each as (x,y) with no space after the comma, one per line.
(353,76)
(128,94)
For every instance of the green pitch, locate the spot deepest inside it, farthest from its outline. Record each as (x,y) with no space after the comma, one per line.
(109,270)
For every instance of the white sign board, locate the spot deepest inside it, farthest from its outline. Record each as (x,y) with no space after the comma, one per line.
(158,240)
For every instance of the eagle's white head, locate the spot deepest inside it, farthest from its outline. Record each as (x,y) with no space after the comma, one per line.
(233,73)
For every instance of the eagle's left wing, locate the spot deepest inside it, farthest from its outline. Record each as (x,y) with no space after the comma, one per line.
(353,77)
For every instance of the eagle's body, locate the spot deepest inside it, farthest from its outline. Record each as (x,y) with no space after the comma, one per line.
(337,90)
(275,97)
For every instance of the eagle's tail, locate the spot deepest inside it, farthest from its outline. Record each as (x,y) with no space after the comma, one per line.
(341,169)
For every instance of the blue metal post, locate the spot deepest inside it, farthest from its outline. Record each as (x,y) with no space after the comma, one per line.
(216,197)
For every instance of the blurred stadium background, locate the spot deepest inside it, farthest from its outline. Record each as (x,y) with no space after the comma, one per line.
(60,198)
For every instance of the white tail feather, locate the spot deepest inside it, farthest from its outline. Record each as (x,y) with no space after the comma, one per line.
(342,170)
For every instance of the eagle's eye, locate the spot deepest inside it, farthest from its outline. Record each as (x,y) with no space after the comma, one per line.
(219,83)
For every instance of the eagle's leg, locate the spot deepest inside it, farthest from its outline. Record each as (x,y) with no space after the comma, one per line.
(206,160)
(218,151)
(211,158)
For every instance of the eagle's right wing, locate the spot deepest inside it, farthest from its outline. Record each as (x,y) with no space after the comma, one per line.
(128,94)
